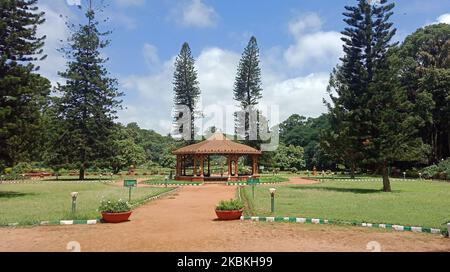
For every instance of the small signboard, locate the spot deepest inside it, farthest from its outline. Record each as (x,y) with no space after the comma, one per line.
(130,183)
(253,181)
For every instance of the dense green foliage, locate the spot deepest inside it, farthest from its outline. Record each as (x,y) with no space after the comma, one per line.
(23,91)
(306,133)
(89,99)
(426,64)
(439,171)
(114,206)
(230,205)
(372,119)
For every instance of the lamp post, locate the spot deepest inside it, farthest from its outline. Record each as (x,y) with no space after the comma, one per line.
(420,176)
(272,199)
(74,196)
(404,175)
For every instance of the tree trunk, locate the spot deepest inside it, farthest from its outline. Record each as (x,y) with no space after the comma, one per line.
(386,181)
(82,172)
(353,170)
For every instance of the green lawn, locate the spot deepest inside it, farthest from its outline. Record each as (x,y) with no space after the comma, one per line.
(32,203)
(413,203)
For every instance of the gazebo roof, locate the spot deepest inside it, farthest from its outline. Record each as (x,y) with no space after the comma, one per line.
(217,144)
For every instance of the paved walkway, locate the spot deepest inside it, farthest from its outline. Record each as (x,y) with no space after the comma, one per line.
(185,221)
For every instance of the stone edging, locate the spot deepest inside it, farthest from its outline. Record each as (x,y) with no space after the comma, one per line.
(57,181)
(85,222)
(325,221)
(262,183)
(178,185)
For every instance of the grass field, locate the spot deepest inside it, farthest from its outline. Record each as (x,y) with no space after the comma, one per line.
(413,203)
(31,203)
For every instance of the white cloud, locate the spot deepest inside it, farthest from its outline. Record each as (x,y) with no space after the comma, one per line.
(128,3)
(57,33)
(313,47)
(195,13)
(444,18)
(216,71)
(307,23)
(73,2)
(150,53)
(301,95)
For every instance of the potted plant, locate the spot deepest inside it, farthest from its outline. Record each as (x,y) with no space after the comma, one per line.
(230,210)
(115,211)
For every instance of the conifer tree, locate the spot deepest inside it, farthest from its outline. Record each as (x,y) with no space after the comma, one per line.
(187,92)
(23,91)
(89,98)
(371,113)
(248,91)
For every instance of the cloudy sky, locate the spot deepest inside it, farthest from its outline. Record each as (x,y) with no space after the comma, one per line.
(299,43)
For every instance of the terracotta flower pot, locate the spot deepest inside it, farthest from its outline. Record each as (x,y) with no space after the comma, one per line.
(116,217)
(229,215)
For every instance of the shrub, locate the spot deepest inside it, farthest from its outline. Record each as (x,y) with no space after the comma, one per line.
(294,170)
(114,206)
(412,173)
(231,205)
(430,171)
(22,168)
(444,167)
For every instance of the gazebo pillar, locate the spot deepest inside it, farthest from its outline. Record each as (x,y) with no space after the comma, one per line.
(229,165)
(209,166)
(178,170)
(236,166)
(202,166)
(255,170)
(195,166)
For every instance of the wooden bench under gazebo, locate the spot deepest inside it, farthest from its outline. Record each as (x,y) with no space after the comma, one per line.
(199,154)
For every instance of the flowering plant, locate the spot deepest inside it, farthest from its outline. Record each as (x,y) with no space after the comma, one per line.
(114,206)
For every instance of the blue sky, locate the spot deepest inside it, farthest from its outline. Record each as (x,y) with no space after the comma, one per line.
(299,43)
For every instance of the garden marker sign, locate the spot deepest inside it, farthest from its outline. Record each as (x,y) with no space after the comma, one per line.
(129,184)
(253,182)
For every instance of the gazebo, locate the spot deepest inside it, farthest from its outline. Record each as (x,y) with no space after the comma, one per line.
(217,144)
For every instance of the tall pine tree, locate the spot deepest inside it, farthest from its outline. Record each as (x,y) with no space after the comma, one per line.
(375,129)
(248,91)
(89,98)
(23,92)
(187,92)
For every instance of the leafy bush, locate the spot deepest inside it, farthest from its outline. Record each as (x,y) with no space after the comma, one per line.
(114,206)
(22,168)
(444,166)
(8,170)
(430,172)
(294,170)
(440,171)
(412,173)
(231,205)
